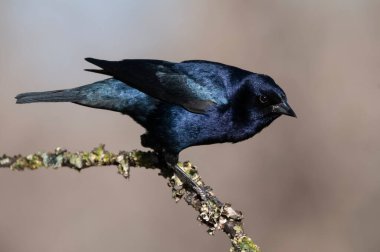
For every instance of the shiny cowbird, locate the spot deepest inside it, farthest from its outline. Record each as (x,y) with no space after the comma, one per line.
(180,105)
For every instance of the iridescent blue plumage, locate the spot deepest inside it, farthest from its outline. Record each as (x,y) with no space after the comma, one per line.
(180,104)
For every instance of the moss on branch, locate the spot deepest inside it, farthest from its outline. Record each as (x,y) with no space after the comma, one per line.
(213,213)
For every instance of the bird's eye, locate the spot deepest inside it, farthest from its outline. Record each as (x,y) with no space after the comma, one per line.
(263,98)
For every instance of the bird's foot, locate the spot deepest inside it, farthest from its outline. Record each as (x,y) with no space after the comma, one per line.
(188,179)
(204,192)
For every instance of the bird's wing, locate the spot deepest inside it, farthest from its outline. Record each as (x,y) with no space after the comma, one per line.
(159,79)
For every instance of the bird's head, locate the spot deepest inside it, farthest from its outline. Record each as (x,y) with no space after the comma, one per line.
(259,101)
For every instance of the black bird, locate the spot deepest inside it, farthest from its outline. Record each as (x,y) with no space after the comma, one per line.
(180,105)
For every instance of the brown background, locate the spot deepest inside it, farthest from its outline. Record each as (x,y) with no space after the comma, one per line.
(310,184)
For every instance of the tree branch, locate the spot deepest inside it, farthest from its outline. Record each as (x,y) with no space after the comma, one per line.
(213,213)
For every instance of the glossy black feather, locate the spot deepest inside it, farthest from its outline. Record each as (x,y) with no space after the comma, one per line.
(160,79)
(180,104)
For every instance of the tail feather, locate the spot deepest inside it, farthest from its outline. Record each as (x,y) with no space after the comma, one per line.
(48,96)
(110,94)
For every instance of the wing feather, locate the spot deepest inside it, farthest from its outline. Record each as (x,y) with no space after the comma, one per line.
(159,79)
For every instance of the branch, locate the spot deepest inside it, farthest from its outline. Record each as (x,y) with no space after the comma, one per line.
(213,213)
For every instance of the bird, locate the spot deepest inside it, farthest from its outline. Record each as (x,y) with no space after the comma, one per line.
(190,103)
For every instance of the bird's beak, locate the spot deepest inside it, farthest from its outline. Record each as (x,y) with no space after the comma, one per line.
(283,108)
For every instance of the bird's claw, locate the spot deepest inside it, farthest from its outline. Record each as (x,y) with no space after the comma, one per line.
(205,195)
(202,192)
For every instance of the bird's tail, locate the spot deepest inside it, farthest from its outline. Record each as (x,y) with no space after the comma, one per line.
(67,95)
(109,94)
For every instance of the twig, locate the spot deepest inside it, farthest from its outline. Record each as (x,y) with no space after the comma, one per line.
(213,213)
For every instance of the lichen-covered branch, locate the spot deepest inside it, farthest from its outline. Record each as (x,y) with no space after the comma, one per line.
(213,213)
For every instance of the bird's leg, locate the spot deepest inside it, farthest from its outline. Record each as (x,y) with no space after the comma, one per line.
(186,179)
(171,161)
(202,192)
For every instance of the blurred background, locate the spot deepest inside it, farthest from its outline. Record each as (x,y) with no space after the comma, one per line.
(306,184)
